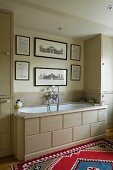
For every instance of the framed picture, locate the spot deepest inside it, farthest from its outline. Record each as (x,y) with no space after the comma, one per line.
(22,70)
(50,76)
(75,52)
(75,72)
(22,45)
(50,49)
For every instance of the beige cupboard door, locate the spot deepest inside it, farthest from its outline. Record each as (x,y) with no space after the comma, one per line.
(5,59)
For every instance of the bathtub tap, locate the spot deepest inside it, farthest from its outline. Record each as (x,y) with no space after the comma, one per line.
(58,98)
(52,96)
(48,107)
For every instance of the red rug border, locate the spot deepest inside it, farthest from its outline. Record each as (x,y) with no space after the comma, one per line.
(64,152)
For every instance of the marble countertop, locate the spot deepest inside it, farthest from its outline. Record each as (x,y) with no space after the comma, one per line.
(44,114)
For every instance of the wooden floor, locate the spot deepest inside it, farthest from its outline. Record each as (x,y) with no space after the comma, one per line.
(7,161)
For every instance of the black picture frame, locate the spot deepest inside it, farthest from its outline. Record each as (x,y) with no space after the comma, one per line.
(22,45)
(50,76)
(50,49)
(75,72)
(22,70)
(75,52)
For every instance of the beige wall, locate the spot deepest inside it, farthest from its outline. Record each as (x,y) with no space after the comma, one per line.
(99,80)
(27,86)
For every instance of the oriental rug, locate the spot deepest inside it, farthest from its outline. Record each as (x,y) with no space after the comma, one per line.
(93,155)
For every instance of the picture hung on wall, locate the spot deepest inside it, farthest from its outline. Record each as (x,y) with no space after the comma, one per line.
(50,49)
(22,70)
(75,52)
(75,72)
(50,76)
(22,45)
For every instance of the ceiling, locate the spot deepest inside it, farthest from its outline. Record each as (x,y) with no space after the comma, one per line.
(73,18)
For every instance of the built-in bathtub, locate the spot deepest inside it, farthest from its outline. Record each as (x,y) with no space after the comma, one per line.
(38,132)
(53,108)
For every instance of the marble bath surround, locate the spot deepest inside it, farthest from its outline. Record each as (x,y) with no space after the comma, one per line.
(33,110)
(40,133)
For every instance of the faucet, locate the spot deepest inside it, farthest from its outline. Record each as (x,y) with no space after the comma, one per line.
(51,96)
(48,107)
(58,98)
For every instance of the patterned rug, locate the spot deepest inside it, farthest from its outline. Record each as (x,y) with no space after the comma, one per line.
(94,155)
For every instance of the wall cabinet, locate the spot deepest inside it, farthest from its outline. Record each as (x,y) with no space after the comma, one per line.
(6,80)
(5,52)
(92,64)
(98,74)
(107,64)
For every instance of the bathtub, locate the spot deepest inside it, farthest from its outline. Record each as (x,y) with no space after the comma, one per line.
(73,123)
(53,108)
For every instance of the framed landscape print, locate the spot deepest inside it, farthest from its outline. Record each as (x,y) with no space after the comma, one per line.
(50,49)
(75,72)
(75,52)
(50,76)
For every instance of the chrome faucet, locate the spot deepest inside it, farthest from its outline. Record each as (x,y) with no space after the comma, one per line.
(48,107)
(51,96)
(58,98)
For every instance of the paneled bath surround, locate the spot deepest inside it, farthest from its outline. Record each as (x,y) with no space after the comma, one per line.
(40,133)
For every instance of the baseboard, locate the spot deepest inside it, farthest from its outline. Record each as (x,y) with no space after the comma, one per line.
(5,153)
(109,130)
